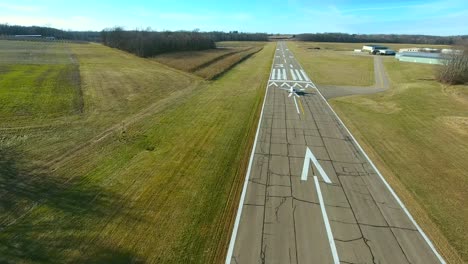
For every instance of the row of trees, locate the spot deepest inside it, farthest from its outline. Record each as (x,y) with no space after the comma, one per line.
(150,43)
(382,38)
(11,30)
(147,43)
(455,67)
(236,36)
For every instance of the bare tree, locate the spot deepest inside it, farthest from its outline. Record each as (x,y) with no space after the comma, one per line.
(455,67)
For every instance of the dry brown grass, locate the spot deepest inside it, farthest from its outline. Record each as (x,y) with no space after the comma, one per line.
(190,61)
(166,155)
(210,64)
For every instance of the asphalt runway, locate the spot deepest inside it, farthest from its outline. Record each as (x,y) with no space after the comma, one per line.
(311,194)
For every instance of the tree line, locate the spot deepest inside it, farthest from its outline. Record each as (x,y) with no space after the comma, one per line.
(149,43)
(11,30)
(144,43)
(455,66)
(382,38)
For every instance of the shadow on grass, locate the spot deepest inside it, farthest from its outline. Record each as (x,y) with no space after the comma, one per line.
(45,219)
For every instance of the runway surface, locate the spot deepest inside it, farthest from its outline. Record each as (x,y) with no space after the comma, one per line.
(311,194)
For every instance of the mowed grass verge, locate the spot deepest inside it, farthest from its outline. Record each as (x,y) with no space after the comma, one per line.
(162,189)
(417,134)
(328,67)
(210,64)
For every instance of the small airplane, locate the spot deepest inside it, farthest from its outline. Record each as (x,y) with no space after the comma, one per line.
(292,91)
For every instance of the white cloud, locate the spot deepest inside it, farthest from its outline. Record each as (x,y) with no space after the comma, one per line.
(21,8)
(75,22)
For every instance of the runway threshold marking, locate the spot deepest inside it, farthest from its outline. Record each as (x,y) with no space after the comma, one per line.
(309,156)
(292,74)
(298,75)
(331,240)
(305,75)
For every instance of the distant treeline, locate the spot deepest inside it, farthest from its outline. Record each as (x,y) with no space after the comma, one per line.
(236,36)
(150,43)
(11,30)
(146,43)
(382,38)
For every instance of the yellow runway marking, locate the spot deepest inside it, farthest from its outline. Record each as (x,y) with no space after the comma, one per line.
(300,105)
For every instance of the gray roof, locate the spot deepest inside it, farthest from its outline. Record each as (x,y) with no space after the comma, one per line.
(428,55)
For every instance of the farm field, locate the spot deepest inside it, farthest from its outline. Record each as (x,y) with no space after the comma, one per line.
(329,67)
(210,64)
(154,154)
(416,132)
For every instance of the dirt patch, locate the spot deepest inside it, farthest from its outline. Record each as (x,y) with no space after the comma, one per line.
(379,107)
(459,124)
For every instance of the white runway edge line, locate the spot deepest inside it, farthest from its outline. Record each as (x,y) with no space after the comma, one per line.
(331,240)
(428,241)
(246,183)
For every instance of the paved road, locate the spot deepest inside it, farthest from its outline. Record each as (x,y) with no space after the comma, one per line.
(381,83)
(345,213)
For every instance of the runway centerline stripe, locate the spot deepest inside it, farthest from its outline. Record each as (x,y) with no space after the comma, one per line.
(331,240)
(295,102)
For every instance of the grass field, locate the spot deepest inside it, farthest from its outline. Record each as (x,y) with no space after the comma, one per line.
(210,64)
(417,134)
(161,156)
(329,67)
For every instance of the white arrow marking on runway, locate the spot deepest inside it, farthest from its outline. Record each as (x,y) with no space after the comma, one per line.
(296,84)
(331,240)
(309,156)
(273,83)
(285,84)
(308,85)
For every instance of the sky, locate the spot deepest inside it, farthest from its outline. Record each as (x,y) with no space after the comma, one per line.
(430,17)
